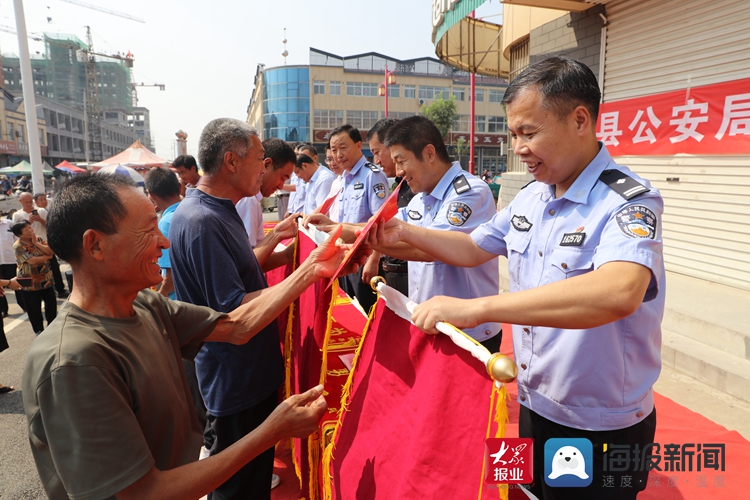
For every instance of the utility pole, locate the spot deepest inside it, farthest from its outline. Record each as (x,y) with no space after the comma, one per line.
(29,101)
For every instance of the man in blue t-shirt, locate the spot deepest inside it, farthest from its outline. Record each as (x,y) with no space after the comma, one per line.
(163,188)
(213,265)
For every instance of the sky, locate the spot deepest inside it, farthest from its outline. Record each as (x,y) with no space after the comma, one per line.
(207,52)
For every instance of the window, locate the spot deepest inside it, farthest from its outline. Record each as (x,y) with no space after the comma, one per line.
(10,132)
(362,89)
(334,88)
(479,124)
(461,124)
(399,115)
(21,134)
(327,119)
(460,93)
(41,137)
(496,95)
(430,92)
(495,124)
(319,87)
(394,90)
(480,94)
(362,119)
(410,91)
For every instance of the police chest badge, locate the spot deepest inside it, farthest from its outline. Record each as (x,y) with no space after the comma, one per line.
(359,185)
(521,223)
(379,189)
(458,213)
(573,239)
(637,221)
(414,215)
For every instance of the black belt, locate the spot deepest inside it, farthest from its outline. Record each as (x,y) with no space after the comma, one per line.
(394,268)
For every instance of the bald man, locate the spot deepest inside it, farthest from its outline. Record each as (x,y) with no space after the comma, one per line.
(37,216)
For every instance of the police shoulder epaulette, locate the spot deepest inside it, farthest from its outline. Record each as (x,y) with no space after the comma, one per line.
(622,183)
(372,167)
(460,184)
(528,183)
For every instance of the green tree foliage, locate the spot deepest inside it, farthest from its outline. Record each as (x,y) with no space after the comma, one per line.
(442,113)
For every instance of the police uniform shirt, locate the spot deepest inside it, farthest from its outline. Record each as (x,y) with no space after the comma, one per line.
(598,378)
(297,197)
(317,189)
(364,190)
(459,202)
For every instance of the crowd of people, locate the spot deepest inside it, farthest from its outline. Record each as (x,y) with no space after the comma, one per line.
(129,386)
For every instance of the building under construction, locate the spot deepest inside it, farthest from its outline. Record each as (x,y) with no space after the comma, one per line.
(60,75)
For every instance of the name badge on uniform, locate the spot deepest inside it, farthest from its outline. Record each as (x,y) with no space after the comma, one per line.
(359,185)
(414,215)
(521,223)
(573,239)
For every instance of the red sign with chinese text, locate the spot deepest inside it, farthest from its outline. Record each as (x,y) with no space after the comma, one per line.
(712,119)
(509,460)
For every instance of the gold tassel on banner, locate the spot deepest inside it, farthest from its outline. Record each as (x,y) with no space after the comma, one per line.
(499,398)
(345,393)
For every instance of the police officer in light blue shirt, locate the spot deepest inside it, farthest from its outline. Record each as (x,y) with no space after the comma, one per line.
(318,180)
(364,189)
(587,284)
(448,199)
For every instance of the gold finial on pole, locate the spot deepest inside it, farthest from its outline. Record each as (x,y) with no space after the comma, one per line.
(375,281)
(501,368)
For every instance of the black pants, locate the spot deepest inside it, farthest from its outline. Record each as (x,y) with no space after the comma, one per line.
(493,343)
(33,301)
(533,425)
(59,282)
(8,271)
(253,481)
(353,286)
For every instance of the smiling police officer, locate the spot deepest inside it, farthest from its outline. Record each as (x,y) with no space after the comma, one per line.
(363,191)
(586,273)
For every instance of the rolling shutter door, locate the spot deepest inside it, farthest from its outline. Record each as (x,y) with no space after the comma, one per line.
(660,46)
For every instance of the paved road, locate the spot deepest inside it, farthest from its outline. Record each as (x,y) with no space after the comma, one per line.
(18,477)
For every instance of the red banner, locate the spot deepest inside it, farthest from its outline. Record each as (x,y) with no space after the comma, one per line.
(416,418)
(712,119)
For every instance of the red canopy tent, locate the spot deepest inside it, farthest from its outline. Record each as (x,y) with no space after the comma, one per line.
(137,157)
(66,165)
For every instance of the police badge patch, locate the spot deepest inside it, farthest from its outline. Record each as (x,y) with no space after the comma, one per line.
(637,221)
(414,215)
(458,213)
(379,189)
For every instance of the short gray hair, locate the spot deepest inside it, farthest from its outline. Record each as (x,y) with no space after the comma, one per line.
(221,136)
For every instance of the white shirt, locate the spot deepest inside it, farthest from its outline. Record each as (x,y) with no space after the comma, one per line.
(7,254)
(251,213)
(39,229)
(333,212)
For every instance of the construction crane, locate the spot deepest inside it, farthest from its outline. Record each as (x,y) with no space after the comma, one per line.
(133,85)
(105,10)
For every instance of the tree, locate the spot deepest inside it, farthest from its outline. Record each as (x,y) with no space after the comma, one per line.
(442,113)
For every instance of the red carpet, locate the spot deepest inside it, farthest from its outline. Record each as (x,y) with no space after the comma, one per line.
(676,425)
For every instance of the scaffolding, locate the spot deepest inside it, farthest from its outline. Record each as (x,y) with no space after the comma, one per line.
(60,74)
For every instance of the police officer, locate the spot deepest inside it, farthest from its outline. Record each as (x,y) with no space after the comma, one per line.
(450,200)
(363,191)
(587,280)
(395,271)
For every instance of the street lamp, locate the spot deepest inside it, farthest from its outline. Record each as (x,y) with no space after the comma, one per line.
(390,79)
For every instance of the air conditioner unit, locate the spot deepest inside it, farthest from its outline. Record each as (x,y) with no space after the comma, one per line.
(421,101)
